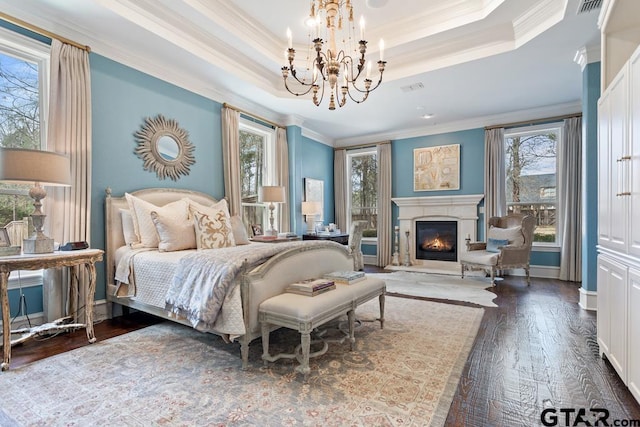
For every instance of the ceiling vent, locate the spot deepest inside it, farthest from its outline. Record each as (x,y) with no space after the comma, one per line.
(588,5)
(411,88)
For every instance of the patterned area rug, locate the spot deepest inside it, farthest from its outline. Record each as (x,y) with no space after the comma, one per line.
(446,287)
(169,374)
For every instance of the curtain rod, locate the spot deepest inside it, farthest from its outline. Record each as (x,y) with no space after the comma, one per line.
(262,119)
(368,145)
(533,122)
(41,31)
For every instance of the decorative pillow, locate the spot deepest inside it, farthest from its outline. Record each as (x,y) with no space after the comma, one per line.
(219,205)
(212,231)
(172,235)
(128,230)
(513,235)
(493,245)
(239,231)
(143,224)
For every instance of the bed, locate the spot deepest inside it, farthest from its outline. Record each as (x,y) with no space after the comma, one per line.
(170,283)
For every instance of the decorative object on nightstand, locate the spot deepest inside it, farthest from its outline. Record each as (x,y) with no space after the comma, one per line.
(41,168)
(310,210)
(271,194)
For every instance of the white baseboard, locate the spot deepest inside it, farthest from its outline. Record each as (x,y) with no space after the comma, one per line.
(370,259)
(588,300)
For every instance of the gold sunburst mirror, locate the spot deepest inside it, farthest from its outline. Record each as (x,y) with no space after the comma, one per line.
(164,147)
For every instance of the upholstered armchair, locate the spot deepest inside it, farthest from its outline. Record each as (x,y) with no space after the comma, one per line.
(508,245)
(355,239)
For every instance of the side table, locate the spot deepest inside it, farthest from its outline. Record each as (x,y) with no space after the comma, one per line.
(86,258)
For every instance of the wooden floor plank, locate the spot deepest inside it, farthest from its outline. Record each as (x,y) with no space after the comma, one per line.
(537,349)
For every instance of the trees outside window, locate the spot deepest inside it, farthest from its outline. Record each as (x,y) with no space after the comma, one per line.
(257,166)
(23,82)
(531,176)
(362,170)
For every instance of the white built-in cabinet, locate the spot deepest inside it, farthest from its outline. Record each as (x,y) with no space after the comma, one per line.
(619,223)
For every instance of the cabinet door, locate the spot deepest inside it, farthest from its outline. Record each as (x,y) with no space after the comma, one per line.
(633,356)
(612,288)
(633,162)
(618,179)
(604,172)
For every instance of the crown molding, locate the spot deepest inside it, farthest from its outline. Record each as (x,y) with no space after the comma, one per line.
(536,20)
(587,55)
(308,133)
(475,123)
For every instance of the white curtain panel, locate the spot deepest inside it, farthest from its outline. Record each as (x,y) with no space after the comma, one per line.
(231,158)
(282,168)
(495,203)
(569,199)
(384,204)
(68,209)
(339,187)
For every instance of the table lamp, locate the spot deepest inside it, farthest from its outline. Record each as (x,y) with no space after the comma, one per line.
(271,194)
(19,165)
(310,210)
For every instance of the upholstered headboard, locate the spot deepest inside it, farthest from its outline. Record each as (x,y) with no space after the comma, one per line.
(114,236)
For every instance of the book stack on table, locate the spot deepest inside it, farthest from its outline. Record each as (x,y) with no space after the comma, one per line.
(345,277)
(311,287)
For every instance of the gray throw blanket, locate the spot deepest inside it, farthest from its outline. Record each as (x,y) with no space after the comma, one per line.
(203,279)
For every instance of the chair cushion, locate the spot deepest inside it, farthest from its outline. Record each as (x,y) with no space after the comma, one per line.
(479,257)
(493,245)
(513,235)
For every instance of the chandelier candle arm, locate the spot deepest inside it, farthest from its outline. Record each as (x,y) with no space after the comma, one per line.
(335,69)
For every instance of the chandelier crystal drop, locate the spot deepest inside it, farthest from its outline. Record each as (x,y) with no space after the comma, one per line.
(333,71)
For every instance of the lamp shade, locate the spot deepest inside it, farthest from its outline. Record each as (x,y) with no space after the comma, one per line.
(311,208)
(271,193)
(45,167)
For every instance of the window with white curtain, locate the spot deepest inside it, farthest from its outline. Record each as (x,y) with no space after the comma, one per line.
(532,178)
(257,165)
(362,189)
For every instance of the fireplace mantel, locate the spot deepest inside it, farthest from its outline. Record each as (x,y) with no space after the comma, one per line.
(463,209)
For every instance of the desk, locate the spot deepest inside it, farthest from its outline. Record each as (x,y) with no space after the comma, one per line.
(72,259)
(342,238)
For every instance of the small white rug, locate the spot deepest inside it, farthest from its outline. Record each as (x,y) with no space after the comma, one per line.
(441,286)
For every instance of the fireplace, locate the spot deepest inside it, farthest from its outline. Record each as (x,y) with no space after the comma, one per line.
(437,240)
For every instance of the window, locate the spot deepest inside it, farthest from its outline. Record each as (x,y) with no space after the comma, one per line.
(257,165)
(362,170)
(531,176)
(24,79)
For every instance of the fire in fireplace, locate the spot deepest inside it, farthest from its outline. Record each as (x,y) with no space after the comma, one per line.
(437,240)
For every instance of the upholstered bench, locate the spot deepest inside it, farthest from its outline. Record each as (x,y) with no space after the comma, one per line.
(304,314)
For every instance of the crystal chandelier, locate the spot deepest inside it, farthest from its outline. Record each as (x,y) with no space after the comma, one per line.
(334,70)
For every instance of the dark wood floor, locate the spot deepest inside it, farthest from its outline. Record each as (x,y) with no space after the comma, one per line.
(536,350)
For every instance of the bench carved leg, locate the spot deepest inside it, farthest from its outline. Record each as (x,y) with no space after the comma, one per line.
(305,343)
(265,343)
(351,315)
(381,300)
(244,352)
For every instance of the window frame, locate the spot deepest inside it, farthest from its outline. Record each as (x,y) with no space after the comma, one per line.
(360,152)
(269,172)
(558,128)
(27,49)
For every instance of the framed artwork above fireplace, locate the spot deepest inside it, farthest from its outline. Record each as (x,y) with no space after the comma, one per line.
(436,168)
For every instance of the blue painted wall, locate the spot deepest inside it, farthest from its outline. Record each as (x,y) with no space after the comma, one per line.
(590,96)
(121,99)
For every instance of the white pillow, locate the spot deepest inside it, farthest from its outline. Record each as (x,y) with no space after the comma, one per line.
(172,235)
(128,229)
(143,224)
(513,235)
(239,231)
(213,229)
(219,205)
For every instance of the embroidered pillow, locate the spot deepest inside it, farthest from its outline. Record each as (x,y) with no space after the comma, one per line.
(239,231)
(213,230)
(128,230)
(147,236)
(493,245)
(513,235)
(172,235)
